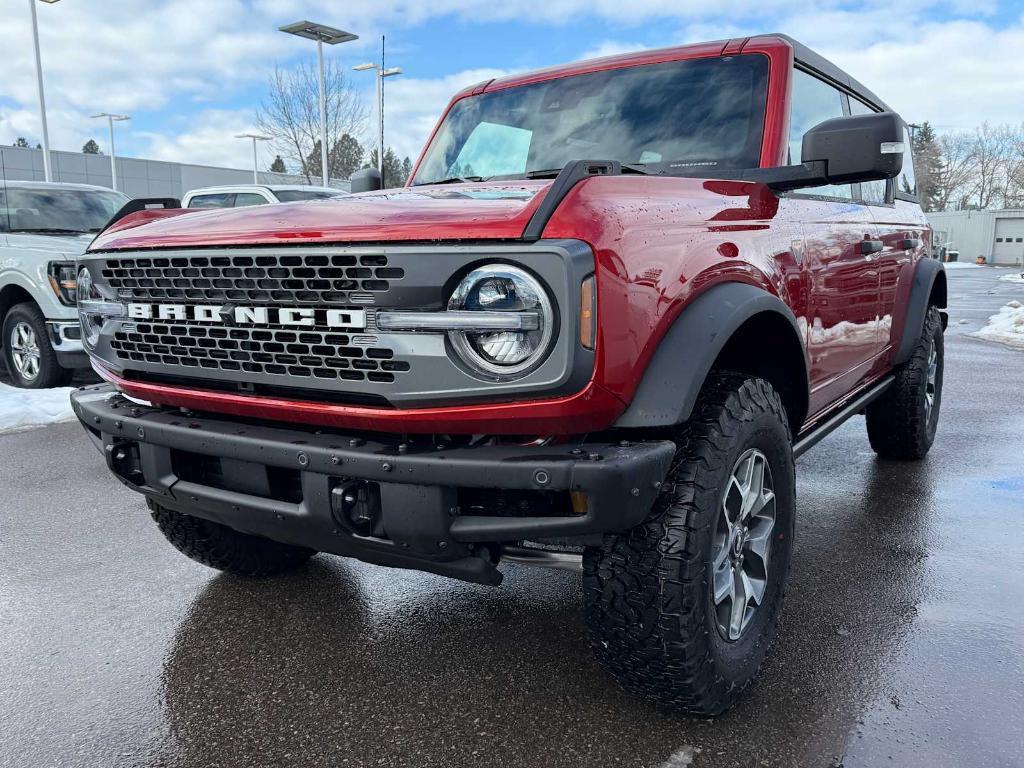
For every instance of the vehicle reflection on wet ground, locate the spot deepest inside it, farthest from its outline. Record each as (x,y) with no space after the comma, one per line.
(901,635)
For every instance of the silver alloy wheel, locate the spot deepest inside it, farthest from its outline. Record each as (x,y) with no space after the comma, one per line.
(25,351)
(741,547)
(929,389)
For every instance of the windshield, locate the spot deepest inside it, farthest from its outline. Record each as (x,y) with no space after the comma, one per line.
(294,195)
(698,112)
(24,209)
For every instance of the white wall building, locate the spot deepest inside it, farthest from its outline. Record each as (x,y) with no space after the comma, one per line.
(135,177)
(996,235)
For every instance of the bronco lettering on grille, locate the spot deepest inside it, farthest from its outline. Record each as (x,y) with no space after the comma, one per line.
(229,314)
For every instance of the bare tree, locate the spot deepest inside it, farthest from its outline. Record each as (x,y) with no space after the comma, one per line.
(291,113)
(956,177)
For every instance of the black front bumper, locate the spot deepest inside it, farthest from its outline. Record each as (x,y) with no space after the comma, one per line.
(415,488)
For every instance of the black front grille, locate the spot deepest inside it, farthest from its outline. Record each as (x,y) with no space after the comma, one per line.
(327,279)
(274,351)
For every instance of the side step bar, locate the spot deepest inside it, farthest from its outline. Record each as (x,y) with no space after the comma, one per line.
(821,430)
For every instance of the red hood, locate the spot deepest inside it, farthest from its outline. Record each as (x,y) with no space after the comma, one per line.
(448,212)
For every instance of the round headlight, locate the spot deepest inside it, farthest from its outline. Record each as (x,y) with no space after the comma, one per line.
(500,288)
(91,322)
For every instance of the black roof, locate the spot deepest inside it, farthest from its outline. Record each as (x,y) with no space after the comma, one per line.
(823,66)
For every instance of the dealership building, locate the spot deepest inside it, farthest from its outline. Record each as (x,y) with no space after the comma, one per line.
(996,235)
(135,177)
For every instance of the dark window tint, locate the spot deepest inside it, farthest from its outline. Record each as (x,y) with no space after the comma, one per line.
(245,199)
(56,210)
(294,195)
(700,112)
(813,101)
(220,200)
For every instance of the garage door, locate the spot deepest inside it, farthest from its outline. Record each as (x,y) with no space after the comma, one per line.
(1009,245)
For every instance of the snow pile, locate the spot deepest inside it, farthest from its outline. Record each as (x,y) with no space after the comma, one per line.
(1006,327)
(1013,277)
(21,408)
(961,265)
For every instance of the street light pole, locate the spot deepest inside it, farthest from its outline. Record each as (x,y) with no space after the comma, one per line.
(47,172)
(255,163)
(380,74)
(322,34)
(110,127)
(324,171)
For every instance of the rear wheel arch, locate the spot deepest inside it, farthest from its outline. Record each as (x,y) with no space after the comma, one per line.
(928,289)
(731,326)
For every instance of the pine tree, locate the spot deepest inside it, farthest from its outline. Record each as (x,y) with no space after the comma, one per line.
(278,165)
(21,141)
(393,176)
(346,157)
(91,148)
(313,161)
(927,166)
(406,169)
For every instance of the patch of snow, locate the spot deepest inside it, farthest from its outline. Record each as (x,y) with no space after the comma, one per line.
(961,265)
(681,758)
(1006,327)
(1013,277)
(23,408)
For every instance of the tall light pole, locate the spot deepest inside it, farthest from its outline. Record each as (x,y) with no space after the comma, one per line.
(381,73)
(47,172)
(322,34)
(110,127)
(255,163)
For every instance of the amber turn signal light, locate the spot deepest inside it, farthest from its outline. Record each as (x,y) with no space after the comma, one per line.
(588,313)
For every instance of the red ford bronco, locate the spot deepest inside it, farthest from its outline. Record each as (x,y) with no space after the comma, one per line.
(614,302)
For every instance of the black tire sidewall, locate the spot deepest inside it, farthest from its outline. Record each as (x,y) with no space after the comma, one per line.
(738,660)
(50,372)
(934,324)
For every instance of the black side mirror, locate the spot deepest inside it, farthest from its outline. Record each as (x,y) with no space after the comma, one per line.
(856,148)
(366,180)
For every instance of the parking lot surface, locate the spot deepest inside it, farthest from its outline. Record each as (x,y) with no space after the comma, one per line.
(900,644)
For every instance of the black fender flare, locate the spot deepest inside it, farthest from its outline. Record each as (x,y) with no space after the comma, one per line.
(926,273)
(677,371)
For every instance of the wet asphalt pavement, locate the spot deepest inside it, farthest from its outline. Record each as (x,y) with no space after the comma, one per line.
(902,638)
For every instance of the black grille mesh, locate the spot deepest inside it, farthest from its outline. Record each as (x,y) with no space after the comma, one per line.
(325,279)
(303,354)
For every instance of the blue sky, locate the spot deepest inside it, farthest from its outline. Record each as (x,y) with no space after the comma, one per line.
(191,72)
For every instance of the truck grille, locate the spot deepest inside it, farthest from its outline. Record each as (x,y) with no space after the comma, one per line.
(325,279)
(302,354)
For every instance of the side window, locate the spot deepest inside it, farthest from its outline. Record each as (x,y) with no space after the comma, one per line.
(222,200)
(493,150)
(870,191)
(907,180)
(244,199)
(812,102)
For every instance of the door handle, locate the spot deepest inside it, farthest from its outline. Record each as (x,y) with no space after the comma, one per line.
(870,246)
(909,243)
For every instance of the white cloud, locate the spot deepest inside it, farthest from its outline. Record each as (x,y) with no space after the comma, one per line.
(210,140)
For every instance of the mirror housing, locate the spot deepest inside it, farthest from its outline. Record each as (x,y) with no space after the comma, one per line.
(843,150)
(856,148)
(366,180)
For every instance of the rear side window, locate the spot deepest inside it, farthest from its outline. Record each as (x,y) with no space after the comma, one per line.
(813,101)
(245,199)
(907,180)
(221,200)
(870,191)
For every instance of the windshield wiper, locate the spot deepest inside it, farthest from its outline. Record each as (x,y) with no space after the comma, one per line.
(52,231)
(550,173)
(451,180)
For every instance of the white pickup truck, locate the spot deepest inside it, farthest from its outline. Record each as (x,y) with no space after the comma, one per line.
(44,228)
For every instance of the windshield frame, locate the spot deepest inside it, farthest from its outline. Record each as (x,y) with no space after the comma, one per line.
(772,93)
(51,222)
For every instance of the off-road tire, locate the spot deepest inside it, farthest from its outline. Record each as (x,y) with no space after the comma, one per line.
(51,374)
(226,549)
(899,424)
(647,592)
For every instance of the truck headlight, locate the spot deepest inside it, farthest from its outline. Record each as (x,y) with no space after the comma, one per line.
(93,308)
(503,290)
(62,281)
